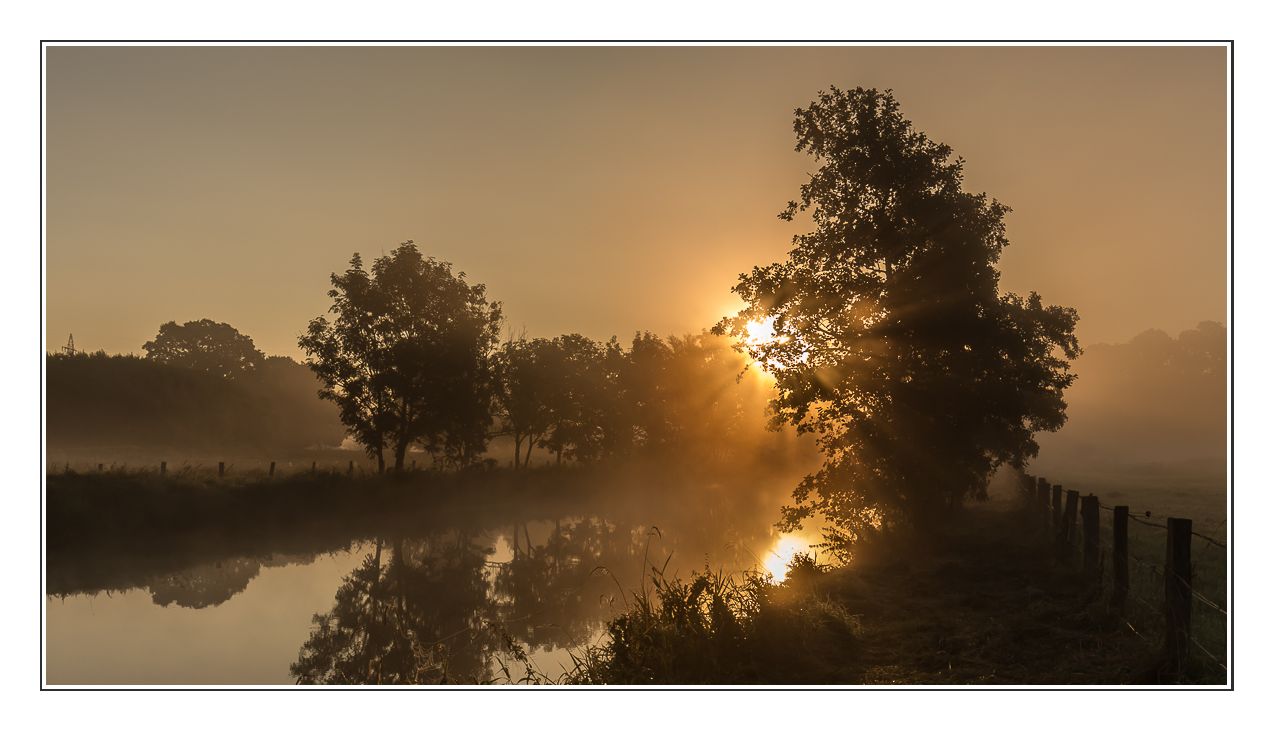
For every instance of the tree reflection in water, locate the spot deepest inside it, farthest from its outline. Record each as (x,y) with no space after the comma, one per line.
(420,615)
(204,586)
(435,610)
(553,596)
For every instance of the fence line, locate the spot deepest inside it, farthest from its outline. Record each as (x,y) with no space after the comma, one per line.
(1176,573)
(1213,541)
(1146,522)
(1207,538)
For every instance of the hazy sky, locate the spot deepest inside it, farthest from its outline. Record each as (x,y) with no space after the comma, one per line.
(596,190)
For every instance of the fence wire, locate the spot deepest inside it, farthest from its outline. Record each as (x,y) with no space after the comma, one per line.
(1202,599)
(1146,617)
(1213,541)
(1204,650)
(1133,516)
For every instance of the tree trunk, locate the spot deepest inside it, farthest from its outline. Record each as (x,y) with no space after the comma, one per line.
(517,450)
(400,454)
(380,459)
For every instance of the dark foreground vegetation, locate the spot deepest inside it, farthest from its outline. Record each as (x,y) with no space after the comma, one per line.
(735,629)
(981,602)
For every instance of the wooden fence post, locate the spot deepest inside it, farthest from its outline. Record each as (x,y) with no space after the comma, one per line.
(1119,596)
(1176,594)
(221,469)
(1041,500)
(1057,509)
(163,468)
(272,469)
(1066,539)
(1092,538)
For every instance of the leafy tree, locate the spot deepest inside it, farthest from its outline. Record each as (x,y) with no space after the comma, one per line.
(406,356)
(204,345)
(892,342)
(712,412)
(615,409)
(574,398)
(521,375)
(552,395)
(646,379)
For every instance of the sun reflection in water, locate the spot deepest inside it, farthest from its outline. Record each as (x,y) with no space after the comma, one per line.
(782,552)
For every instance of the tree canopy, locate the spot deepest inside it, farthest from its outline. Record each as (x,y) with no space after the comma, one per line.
(892,342)
(582,399)
(406,356)
(204,345)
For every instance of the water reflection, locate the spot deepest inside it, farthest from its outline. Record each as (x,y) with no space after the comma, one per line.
(550,595)
(205,586)
(419,602)
(780,555)
(419,612)
(437,609)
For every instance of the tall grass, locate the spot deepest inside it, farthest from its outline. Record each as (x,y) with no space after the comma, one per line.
(723,629)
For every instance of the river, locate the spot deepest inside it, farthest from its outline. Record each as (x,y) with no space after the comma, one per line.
(452,604)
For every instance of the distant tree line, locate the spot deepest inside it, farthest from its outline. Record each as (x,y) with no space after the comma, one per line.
(1155,399)
(112,402)
(582,400)
(411,357)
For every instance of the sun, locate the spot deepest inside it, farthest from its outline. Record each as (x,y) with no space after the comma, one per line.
(760,332)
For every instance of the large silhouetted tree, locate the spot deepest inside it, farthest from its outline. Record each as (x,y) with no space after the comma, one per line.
(406,356)
(892,341)
(204,345)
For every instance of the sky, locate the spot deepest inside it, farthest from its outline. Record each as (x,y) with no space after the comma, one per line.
(597,190)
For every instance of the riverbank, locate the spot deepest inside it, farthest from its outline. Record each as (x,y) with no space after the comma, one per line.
(983,603)
(115,530)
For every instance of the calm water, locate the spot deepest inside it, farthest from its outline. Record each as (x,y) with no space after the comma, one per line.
(406,606)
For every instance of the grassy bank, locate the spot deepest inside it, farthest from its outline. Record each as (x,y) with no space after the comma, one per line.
(983,603)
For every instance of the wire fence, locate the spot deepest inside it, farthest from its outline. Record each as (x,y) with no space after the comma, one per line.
(1168,603)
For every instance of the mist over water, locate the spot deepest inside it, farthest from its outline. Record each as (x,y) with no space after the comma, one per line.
(546,578)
